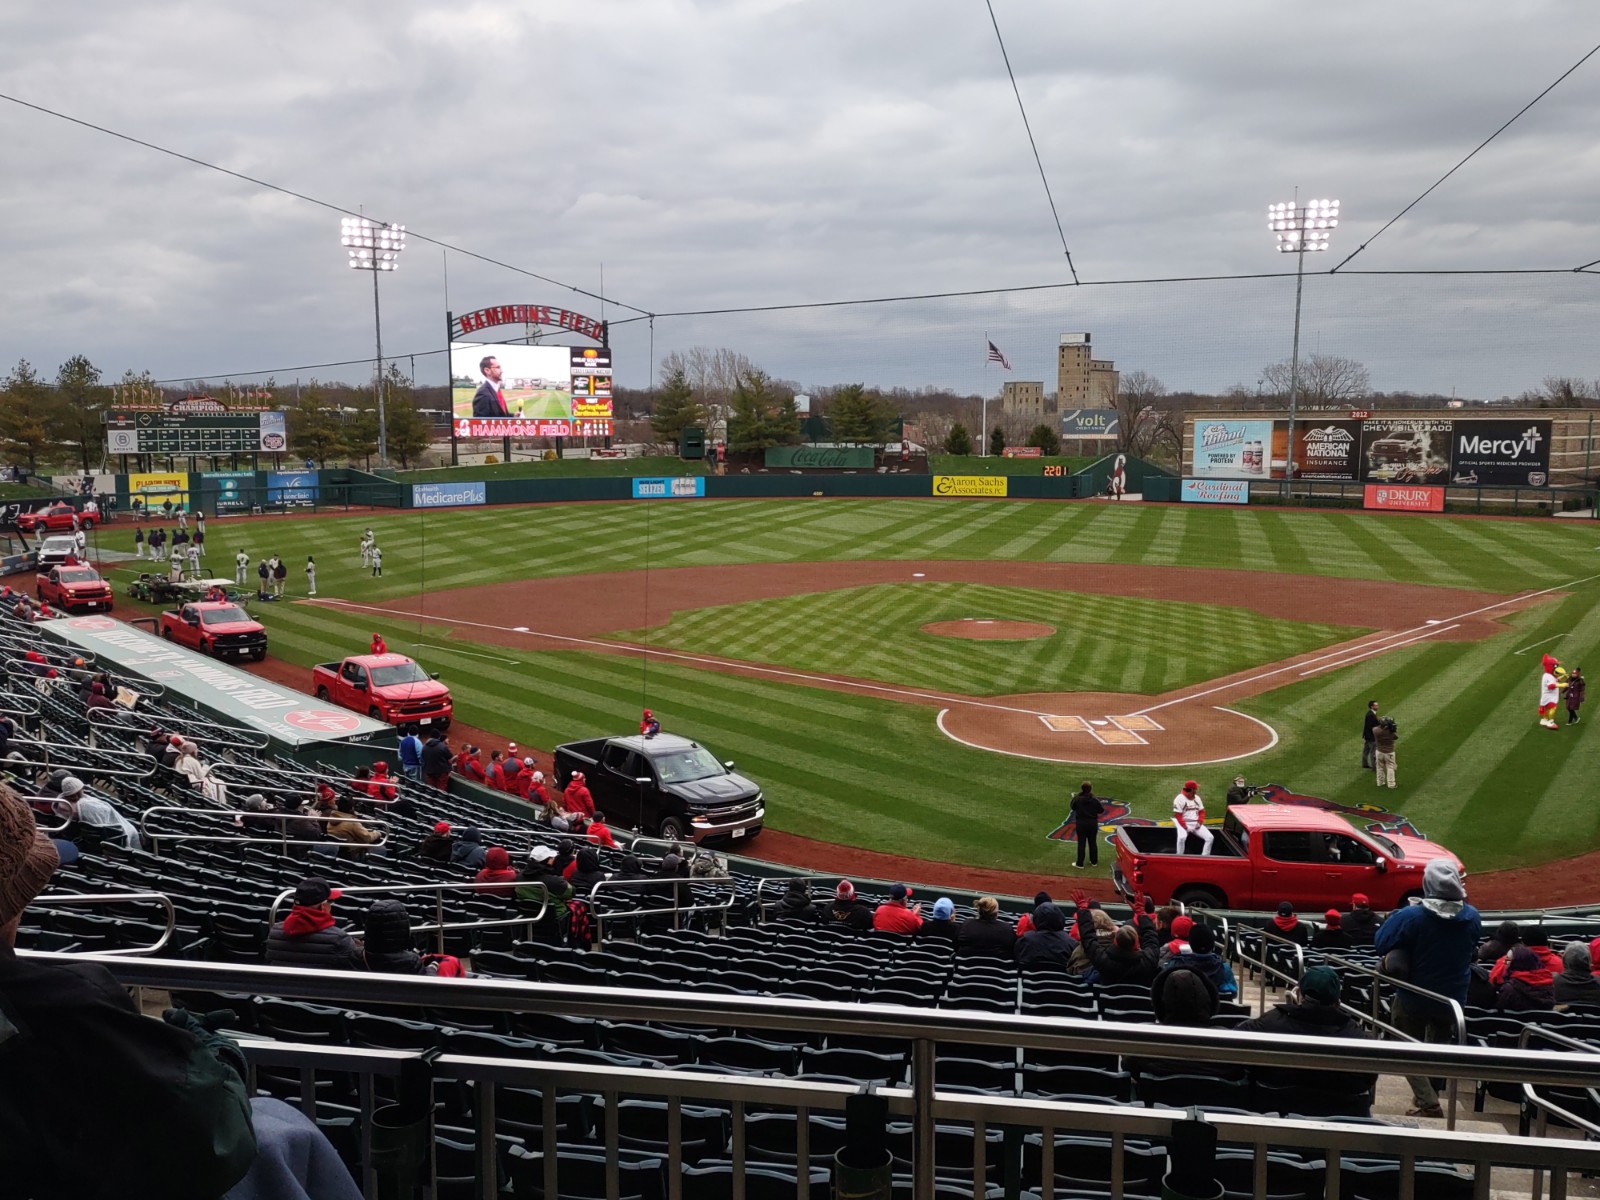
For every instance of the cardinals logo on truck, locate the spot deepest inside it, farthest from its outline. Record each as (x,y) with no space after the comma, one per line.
(1551,683)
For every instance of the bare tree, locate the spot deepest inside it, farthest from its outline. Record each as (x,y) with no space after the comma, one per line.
(1324,379)
(1563,391)
(1137,397)
(713,374)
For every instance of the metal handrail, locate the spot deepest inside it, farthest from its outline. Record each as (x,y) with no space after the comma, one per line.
(673,882)
(122,719)
(1267,935)
(49,899)
(236,817)
(440,925)
(91,769)
(251,785)
(1547,1108)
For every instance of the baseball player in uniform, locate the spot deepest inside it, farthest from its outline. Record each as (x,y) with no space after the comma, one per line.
(241,567)
(1189,818)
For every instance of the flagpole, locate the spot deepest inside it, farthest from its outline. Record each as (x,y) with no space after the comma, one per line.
(983,421)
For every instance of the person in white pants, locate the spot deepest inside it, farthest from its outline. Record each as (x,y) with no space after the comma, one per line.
(1189,818)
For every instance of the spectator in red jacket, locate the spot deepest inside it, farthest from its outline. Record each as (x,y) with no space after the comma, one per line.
(577,800)
(895,915)
(380,786)
(497,869)
(1537,942)
(471,766)
(648,725)
(536,792)
(515,776)
(1025,921)
(599,832)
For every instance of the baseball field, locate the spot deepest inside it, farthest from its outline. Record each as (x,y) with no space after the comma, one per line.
(932,678)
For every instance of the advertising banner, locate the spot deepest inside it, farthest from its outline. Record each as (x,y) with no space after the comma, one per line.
(274,433)
(1504,453)
(235,489)
(820,458)
(591,383)
(155,487)
(501,427)
(1090,423)
(1326,450)
(1405,450)
(291,487)
(1401,498)
(1238,449)
(448,495)
(677,487)
(1021,452)
(1215,491)
(970,485)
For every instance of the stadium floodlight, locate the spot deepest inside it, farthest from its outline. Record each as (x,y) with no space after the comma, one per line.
(374,246)
(1300,229)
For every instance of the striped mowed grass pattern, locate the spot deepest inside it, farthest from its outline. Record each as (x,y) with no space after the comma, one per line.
(1476,772)
(1100,641)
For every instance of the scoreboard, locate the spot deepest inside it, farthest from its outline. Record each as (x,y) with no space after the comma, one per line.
(151,431)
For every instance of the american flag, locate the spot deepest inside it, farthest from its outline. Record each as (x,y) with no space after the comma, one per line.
(996,356)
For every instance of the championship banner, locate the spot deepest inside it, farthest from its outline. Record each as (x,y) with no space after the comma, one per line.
(1394,497)
(1215,491)
(970,485)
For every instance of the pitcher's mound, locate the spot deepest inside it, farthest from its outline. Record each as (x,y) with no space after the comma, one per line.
(979,630)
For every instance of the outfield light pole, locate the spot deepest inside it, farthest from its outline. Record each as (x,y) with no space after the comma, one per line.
(375,246)
(1299,228)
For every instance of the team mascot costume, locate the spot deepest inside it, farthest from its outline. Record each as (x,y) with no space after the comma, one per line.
(1550,685)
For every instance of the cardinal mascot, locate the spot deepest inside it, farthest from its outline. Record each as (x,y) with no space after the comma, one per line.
(1551,682)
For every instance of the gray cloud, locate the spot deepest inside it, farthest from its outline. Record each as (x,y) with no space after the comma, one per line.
(761,151)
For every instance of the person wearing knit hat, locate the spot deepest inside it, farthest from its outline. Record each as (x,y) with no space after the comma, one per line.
(1438,936)
(1312,1010)
(795,905)
(497,868)
(1199,953)
(1286,924)
(1025,921)
(941,926)
(848,911)
(1331,936)
(162,1102)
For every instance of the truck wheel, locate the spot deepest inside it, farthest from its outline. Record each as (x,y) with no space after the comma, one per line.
(1200,897)
(374,713)
(258,656)
(322,694)
(674,830)
(40,590)
(166,632)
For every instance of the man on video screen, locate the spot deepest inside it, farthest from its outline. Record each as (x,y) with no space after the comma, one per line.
(488,400)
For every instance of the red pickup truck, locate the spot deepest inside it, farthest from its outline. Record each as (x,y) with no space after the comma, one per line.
(57,518)
(219,628)
(1267,853)
(387,687)
(75,588)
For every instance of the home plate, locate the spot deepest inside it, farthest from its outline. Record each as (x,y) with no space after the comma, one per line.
(520,629)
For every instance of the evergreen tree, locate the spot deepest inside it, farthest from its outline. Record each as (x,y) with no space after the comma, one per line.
(783,423)
(1047,439)
(80,404)
(359,431)
(759,419)
(410,435)
(314,426)
(997,441)
(676,407)
(958,441)
(854,416)
(27,415)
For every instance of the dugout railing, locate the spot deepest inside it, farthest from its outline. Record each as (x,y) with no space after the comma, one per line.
(1416,1162)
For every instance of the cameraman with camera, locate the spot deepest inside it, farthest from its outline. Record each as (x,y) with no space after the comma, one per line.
(1384,736)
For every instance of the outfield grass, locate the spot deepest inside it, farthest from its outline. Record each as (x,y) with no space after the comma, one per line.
(1475,770)
(875,633)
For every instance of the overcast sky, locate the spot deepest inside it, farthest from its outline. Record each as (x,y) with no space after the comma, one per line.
(746,152)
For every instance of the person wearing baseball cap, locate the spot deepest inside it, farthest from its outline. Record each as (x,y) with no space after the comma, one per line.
(1189,818)
(1361,923)
(436,843)
(308,936)
(848,911)
(896,914)
(1332,935)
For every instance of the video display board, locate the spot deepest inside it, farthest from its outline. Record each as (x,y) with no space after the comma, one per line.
(155,431)
(500,390)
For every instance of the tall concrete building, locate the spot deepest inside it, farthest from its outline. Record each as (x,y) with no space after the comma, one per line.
(1024,399)
(1083,381)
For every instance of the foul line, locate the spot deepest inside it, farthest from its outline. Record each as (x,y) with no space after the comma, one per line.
(732,665)
(1552,638)
(1458,617)
(1343,662)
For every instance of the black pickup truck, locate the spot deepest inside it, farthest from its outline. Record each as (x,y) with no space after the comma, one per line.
(665,786)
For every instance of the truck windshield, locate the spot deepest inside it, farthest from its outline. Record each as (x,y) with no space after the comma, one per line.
(686,766)
(222,616)
(84,576)
(1393,849)
(403,673)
